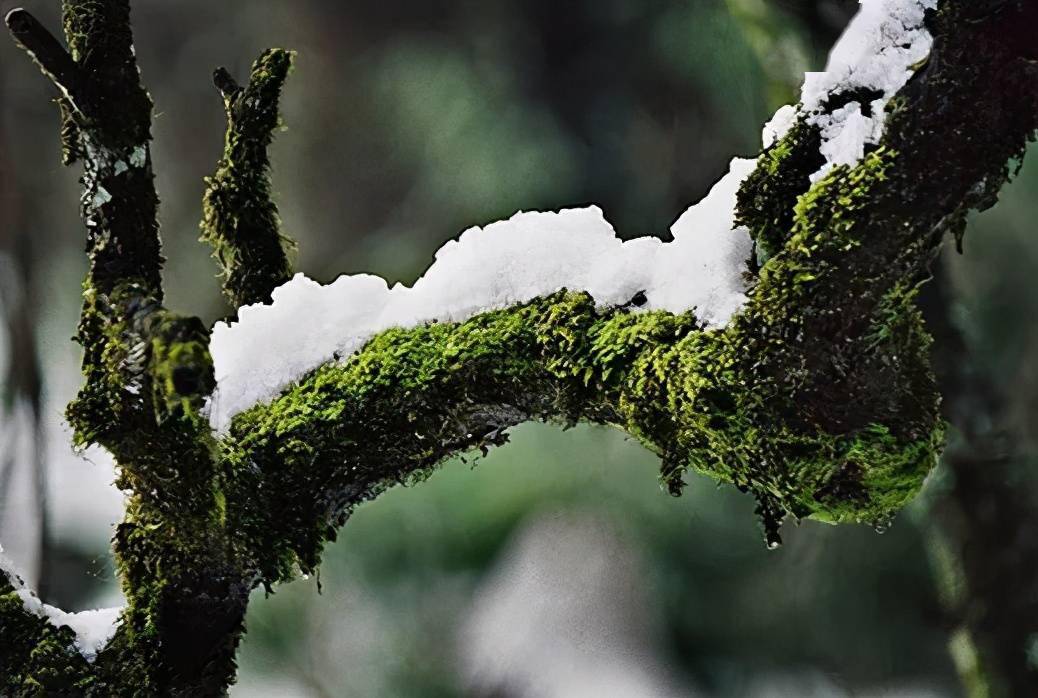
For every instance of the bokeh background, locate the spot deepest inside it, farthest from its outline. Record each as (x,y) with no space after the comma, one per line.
(556,566)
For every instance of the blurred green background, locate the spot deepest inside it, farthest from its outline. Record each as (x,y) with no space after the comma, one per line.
(557,567)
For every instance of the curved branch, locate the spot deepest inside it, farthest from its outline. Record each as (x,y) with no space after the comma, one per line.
(240,218)
(818,397)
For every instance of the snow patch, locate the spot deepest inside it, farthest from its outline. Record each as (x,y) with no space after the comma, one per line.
(139,156)
(101,197)
(877,52)
(779,126)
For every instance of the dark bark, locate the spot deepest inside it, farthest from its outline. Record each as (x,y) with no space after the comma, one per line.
(240,217)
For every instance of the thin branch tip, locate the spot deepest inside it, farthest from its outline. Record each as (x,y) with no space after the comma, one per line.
(13,18)
(225,82)
(43,47)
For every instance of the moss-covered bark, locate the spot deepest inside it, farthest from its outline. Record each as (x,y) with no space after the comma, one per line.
(240,218)
(146,374)
(817,398)
(36,658)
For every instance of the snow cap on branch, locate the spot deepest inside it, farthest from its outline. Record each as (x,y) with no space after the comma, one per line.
(872,61)
(534,254)
(530,255)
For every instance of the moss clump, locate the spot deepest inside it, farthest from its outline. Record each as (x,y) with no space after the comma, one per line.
(143,364)
(768,196)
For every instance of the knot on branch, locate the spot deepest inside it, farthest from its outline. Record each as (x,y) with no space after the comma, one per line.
(240,219)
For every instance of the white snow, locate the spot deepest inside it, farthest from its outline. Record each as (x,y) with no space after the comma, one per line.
(534,254)
(779,125)
(93,628)
(528,256)
(877,51)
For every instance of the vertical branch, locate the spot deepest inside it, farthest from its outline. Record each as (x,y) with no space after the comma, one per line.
(240,218)
(106,117)
(146,373)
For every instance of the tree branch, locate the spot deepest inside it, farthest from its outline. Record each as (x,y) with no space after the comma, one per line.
(147,372)
(44,49)
(818,398)
(240,218)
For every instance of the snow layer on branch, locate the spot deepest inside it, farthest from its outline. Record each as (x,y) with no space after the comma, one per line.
(876,54)
(528,256)
(93,628)
(534,254)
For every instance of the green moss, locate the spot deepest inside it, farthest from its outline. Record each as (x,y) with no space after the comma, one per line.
(143,364)
(411,398)
(240,219)
(37,658)
(768,196)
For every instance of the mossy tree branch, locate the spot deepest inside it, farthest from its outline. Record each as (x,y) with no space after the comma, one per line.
(36,658)
(818,397)
(146,371)
(240,218)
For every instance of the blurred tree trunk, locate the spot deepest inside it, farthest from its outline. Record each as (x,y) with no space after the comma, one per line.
(21,437)
(983,520)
